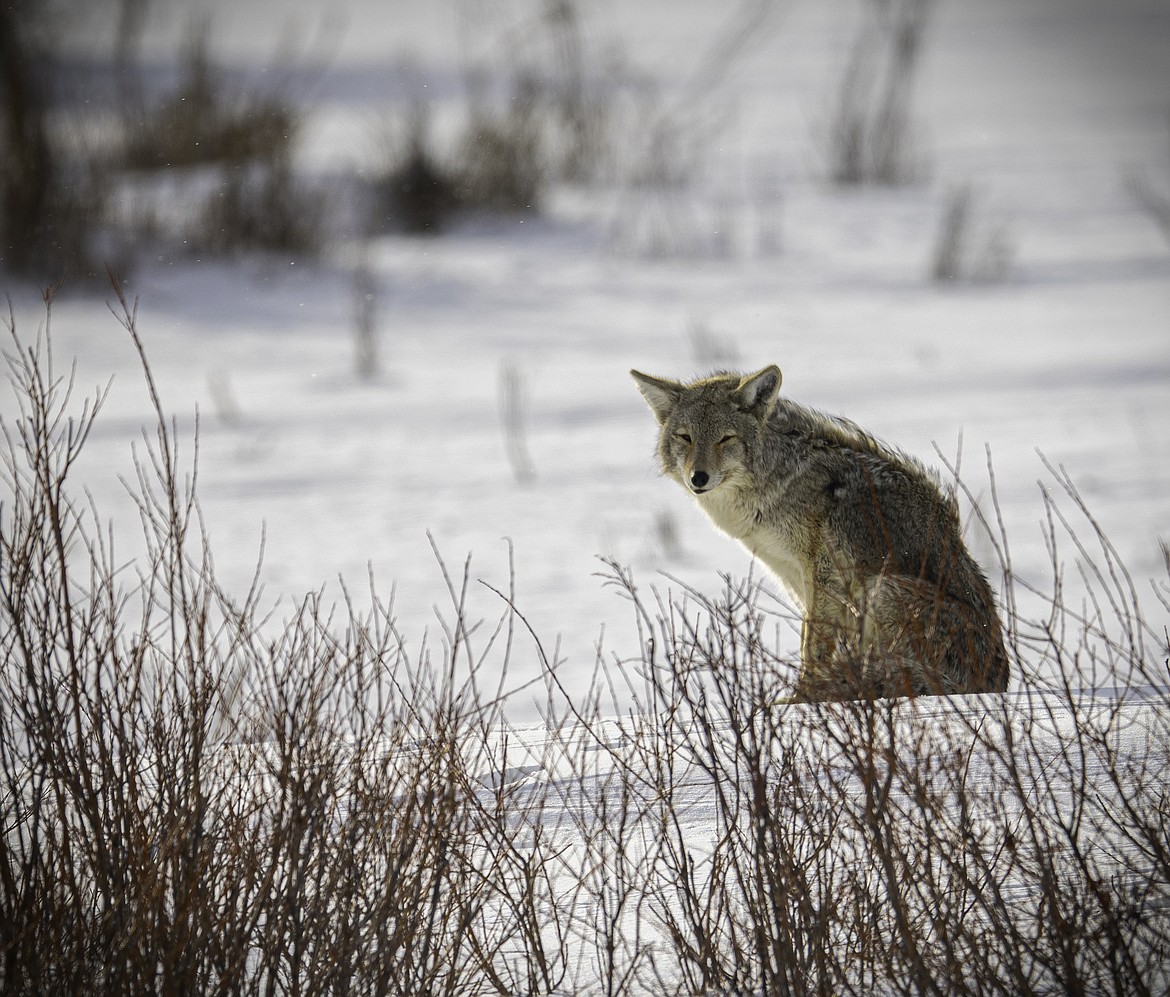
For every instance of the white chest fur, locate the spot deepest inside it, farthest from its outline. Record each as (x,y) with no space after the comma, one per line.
(768,541)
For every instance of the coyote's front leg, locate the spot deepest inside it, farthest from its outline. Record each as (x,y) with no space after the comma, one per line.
(821,640)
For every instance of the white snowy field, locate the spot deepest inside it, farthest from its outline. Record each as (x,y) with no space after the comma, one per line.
(1044,107)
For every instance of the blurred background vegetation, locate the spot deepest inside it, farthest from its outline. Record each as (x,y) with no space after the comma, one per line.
(106,155)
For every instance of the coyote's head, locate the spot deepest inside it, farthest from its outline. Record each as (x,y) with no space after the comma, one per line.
(711,429)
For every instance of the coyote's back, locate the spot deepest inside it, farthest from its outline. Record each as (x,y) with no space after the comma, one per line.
(862,535)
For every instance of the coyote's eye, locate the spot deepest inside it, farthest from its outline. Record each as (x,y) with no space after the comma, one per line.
(727,439)
(685,437)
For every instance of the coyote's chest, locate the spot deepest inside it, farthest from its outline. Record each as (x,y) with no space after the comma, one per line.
(775,546)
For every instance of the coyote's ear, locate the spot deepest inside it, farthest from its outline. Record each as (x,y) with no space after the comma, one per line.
(660,395)
(757,392)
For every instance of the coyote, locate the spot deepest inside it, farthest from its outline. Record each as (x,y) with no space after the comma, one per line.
(861,534)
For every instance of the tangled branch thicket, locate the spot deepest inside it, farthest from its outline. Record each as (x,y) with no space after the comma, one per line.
(196,797)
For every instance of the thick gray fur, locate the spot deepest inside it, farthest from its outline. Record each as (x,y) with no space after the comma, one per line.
(861,534)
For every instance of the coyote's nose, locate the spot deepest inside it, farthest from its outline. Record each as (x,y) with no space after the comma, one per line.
(699,479)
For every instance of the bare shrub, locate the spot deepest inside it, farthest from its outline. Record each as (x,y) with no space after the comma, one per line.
(969,246)
(1154,201)
(259,206)
(1010,844)
(500,161)
(539,55)
(709,348)
(496,167)
(418,195)
(198,797)
(542,104)
(666,535)
(365,317)
(227,155)
(535,110)
(195,801)
(414,190)
(870,132)
(202,121)
(514,422)
(671,204)
(578,99)
(52,200)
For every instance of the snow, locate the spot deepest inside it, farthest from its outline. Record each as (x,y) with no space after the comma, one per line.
(1044,107)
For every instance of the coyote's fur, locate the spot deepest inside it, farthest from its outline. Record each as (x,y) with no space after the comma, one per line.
(862,535)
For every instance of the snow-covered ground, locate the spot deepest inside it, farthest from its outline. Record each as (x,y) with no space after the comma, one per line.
(1045,107)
